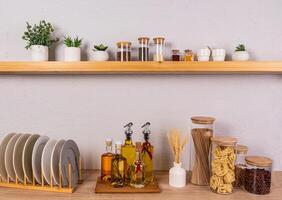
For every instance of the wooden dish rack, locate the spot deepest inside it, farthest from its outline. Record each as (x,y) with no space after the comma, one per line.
(43,187)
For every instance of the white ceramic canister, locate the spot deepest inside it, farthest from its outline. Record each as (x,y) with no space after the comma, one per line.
(203,54)
(72,54)
(177,175)
(218,54)
(39,53)
(100,56)
(240,56)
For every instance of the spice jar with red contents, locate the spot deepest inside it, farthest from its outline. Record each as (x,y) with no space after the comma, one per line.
(159,54)
(240,165)
(123,51)
(143,50)
(258,175)
(175,55)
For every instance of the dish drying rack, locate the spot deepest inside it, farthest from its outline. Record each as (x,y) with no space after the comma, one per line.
(43,187)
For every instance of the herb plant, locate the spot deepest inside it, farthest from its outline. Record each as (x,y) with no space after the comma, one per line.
(40,34)
(100,47)
(240,47)
(72,42)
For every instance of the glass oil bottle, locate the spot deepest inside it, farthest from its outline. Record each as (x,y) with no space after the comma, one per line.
(118,177)
(106,162)
(147,154)
(128,149)
(137,169)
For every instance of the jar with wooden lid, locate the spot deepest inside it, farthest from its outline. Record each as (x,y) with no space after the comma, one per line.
(143,50)
(159,44)
(258,175)
(188,55)
(223,164)
(240,165)
(123,51)
(202,129)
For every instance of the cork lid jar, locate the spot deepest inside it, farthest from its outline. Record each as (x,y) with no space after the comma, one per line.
(258,161)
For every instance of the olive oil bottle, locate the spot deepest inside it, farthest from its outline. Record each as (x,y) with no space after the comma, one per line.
(137,169)
(118,177)
(147,154)
(128,149)
(106,162)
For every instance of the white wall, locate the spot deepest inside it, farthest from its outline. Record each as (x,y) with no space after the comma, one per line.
(90,108)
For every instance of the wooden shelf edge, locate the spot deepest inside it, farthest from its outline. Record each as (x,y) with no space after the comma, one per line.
(135,67)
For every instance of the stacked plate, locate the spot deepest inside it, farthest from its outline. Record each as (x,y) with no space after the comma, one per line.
(32,158)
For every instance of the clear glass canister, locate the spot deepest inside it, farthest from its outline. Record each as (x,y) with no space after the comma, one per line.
(123,51)
(188,55)
(258,175)
(202,129)
(240,165)
(159,54)
(223,164)
(143,50)
(175,55)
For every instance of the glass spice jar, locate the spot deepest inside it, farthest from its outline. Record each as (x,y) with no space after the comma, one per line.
(188,55)
(159,54)
(223,164)
(202,129)
(240,165)
(175,55)
(123,51)
(258,175)
(143,50)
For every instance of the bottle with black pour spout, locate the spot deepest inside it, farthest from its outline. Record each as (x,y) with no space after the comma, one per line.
(147,154)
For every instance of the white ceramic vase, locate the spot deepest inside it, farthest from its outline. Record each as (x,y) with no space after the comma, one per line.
(72,54)
(240,56)
(39,53)
(100,56)
(177,175)
(218,54)
(203,54)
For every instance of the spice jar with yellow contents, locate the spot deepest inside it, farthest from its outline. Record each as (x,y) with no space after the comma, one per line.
(159,54)
(201,130)
(123,51)
(188,55)
(240,165)
(223,164)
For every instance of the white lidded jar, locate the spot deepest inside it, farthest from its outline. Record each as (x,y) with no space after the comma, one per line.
(72,54)
(39,53)
(177,175)
(218,54)
(203,54)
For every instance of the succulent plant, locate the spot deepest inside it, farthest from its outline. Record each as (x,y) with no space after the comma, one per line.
(100,47)
(240,47)
(72,42)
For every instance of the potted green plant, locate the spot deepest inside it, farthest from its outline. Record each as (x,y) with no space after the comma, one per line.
(39,39)
(72,49)
(240,53)
(100,53)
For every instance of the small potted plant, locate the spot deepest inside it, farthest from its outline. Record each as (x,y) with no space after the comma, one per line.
(72,49)
(100,53)
(240,53)
(39,39)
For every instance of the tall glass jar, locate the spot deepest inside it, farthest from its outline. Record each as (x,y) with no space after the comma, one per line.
(223,164)
(202,129)
(143,50)
(258,175)
(123,51)
(159,54)
(240,165)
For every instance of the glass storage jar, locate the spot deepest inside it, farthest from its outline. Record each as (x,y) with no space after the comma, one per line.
(123,51)
(159,54)
(240,165)
(143,50)
(223,164)
(188,55)
(201,131)
(258,175)
(175,55)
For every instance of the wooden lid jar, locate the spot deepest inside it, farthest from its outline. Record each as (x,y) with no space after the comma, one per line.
(123,51)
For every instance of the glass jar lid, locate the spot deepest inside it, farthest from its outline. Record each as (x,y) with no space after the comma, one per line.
(123,43)
(202,120)
(242,149)
(159,40)
(143,40)
(259,161)
(224,140)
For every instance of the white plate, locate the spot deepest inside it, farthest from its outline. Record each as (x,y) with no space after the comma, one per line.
(46,161)
(3,145)
(27,156)
(55,159)
(9,157)
(18,156)
(36,157)
(69,155)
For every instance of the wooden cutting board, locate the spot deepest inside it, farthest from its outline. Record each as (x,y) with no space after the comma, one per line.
(102,187)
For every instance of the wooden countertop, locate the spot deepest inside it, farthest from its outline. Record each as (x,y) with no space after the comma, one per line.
(190,192)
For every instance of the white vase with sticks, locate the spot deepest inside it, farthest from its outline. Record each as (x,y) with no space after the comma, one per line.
(177,174)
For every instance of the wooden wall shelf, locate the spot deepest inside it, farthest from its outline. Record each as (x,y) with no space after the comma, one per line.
(133,67)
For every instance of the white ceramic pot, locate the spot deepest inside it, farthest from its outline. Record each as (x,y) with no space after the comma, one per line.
(203,54)
(240,56)
(218,54)
(39,53)
(72,54)
(177,175)
(100,56)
